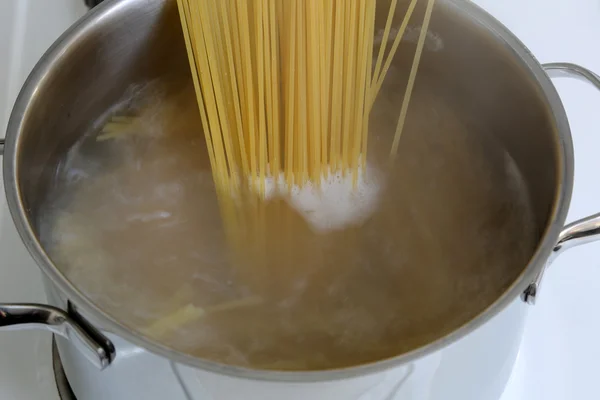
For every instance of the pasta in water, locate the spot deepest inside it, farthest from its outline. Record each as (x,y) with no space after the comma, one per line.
(284,238)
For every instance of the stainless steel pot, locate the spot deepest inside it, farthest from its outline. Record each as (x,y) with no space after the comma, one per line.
(128,40)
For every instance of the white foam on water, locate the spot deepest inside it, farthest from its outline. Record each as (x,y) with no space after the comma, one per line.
(336,204)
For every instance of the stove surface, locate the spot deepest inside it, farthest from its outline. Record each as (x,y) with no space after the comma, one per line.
(560,349)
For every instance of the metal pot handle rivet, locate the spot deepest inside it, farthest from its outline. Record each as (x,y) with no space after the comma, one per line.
(585,230)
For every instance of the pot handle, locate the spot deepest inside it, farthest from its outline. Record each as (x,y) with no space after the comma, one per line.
(48,318)
(585,230)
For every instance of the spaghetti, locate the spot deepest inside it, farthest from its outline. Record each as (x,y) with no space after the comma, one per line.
(285,87)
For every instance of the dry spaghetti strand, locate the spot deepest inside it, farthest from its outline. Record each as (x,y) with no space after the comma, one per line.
(286,86)
(412,77)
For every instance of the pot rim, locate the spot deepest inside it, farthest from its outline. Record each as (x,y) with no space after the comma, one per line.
(563,191)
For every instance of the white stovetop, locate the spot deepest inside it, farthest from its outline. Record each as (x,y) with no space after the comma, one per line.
(560,351)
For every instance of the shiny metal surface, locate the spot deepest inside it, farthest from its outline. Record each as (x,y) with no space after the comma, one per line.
(503,91)
(585,230)
(580,232)
(37,316)
(569,70)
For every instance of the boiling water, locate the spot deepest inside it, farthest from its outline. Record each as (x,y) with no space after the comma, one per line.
(135,224)
(337,202)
